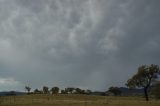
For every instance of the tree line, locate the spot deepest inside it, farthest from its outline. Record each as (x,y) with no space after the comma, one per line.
(144,78)
(56,90)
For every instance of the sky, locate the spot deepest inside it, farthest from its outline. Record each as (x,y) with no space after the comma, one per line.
(91,44)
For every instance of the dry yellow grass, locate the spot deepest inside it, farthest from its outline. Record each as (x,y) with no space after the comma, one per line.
(74,100)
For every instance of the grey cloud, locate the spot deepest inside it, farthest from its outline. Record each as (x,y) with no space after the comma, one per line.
(87,43)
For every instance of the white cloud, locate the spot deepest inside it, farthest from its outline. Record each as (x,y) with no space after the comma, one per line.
(8,81)
(10,84)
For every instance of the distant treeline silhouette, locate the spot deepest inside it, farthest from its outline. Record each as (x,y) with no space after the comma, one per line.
(56,90)
(145,79)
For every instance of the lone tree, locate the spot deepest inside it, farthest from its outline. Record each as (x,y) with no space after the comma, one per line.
(28,89)
(115,90)
(144,78)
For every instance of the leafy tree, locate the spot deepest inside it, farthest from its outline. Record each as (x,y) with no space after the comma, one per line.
(45,90)
(88,92)
(78,91)
(115,90)
(69,90)
(144,78)
(63,91)
(28,89)
(36,91)
(83,92)
(54,90)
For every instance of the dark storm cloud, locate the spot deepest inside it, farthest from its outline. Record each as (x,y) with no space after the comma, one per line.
(84,43)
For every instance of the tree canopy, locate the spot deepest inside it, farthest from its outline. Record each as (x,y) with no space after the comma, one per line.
(144,78)
(28,89)
(54,90)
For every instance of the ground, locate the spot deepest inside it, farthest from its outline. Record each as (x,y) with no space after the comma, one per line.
(75,100)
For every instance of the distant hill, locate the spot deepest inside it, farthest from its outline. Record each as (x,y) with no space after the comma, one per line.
(127,91)
(9,93)
(98,93)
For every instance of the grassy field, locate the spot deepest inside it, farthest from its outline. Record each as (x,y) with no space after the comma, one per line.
(74,100)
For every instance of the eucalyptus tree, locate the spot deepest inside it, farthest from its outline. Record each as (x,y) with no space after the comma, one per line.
(144,78)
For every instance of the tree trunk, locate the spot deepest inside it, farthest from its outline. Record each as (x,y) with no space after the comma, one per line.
(146,93)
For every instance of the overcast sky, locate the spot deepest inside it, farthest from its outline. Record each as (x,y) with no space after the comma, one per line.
(91,44)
